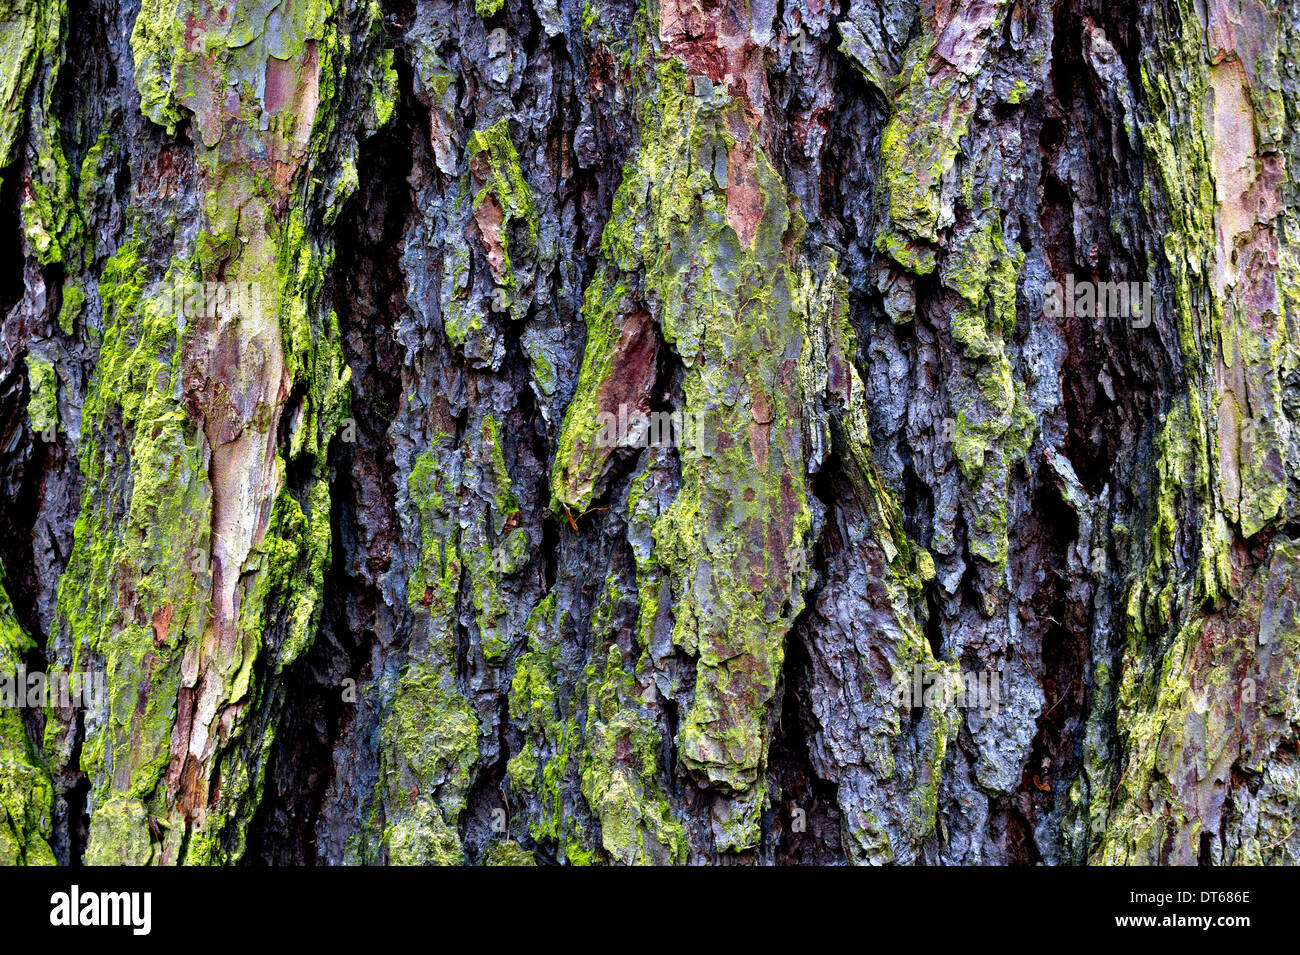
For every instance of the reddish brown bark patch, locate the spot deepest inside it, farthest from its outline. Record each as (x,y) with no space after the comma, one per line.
(162,622)
(744,197)
(632,368)
(488,219)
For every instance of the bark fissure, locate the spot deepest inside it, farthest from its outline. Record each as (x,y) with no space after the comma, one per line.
(941,565)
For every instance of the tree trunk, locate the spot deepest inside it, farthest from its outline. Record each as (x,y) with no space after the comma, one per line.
(965,528)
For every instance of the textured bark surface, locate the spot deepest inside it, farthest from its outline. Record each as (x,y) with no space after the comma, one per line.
(369,583)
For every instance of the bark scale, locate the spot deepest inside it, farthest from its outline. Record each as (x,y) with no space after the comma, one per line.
(322,322)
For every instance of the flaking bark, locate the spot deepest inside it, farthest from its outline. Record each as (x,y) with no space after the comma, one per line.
(370,583)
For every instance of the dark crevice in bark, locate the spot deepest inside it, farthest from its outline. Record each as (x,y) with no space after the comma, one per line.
(795,782)
(846,186)
(805,814)
(1017,836)
(1115,379)
(11,248)
(89,67)
(323,695)
(488,794)
(24,458)
(318,709)
(1054,757)
(72,812)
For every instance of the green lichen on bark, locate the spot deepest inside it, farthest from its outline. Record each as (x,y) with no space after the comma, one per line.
(181,419)
(1208,669)
(432,739)
(930,111)
(43,395)
(32,34)
(29,31)
(600,741)
(431,736)
(620,763)
(861,483)
(917,149)
(1224,701)
(548,760)
(26,790)
(581,458)
(136,623)
(498,201)
(741,511)
(698,227)
(429,739)
(992,423)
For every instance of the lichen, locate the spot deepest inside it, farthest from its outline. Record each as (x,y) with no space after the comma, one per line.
(429,744)
(223,590)
(580,459)
(1185,720)
(509,853)
(26,790)
(620,762)
(732,541)
(993,425)
(43,395)
(499,203)
(548,760)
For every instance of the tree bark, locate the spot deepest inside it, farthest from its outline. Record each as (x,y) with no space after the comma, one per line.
(966,530)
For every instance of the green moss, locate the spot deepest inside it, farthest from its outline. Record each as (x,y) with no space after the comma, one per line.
(74,300)
(918,147)
(1190,726)
(26,790)
(290,566)
(384,92)
(430,743)
(506,852)
(994,425)
(43,395)
(506,502)
(1216,477)
(121,835)
(436,576)
(580,458)
(547,762)
(29,32)
(731,543)
(505,178)
(159,524)
(599,740)
(620,771)
(423,836)
(33,33)
(148,505)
